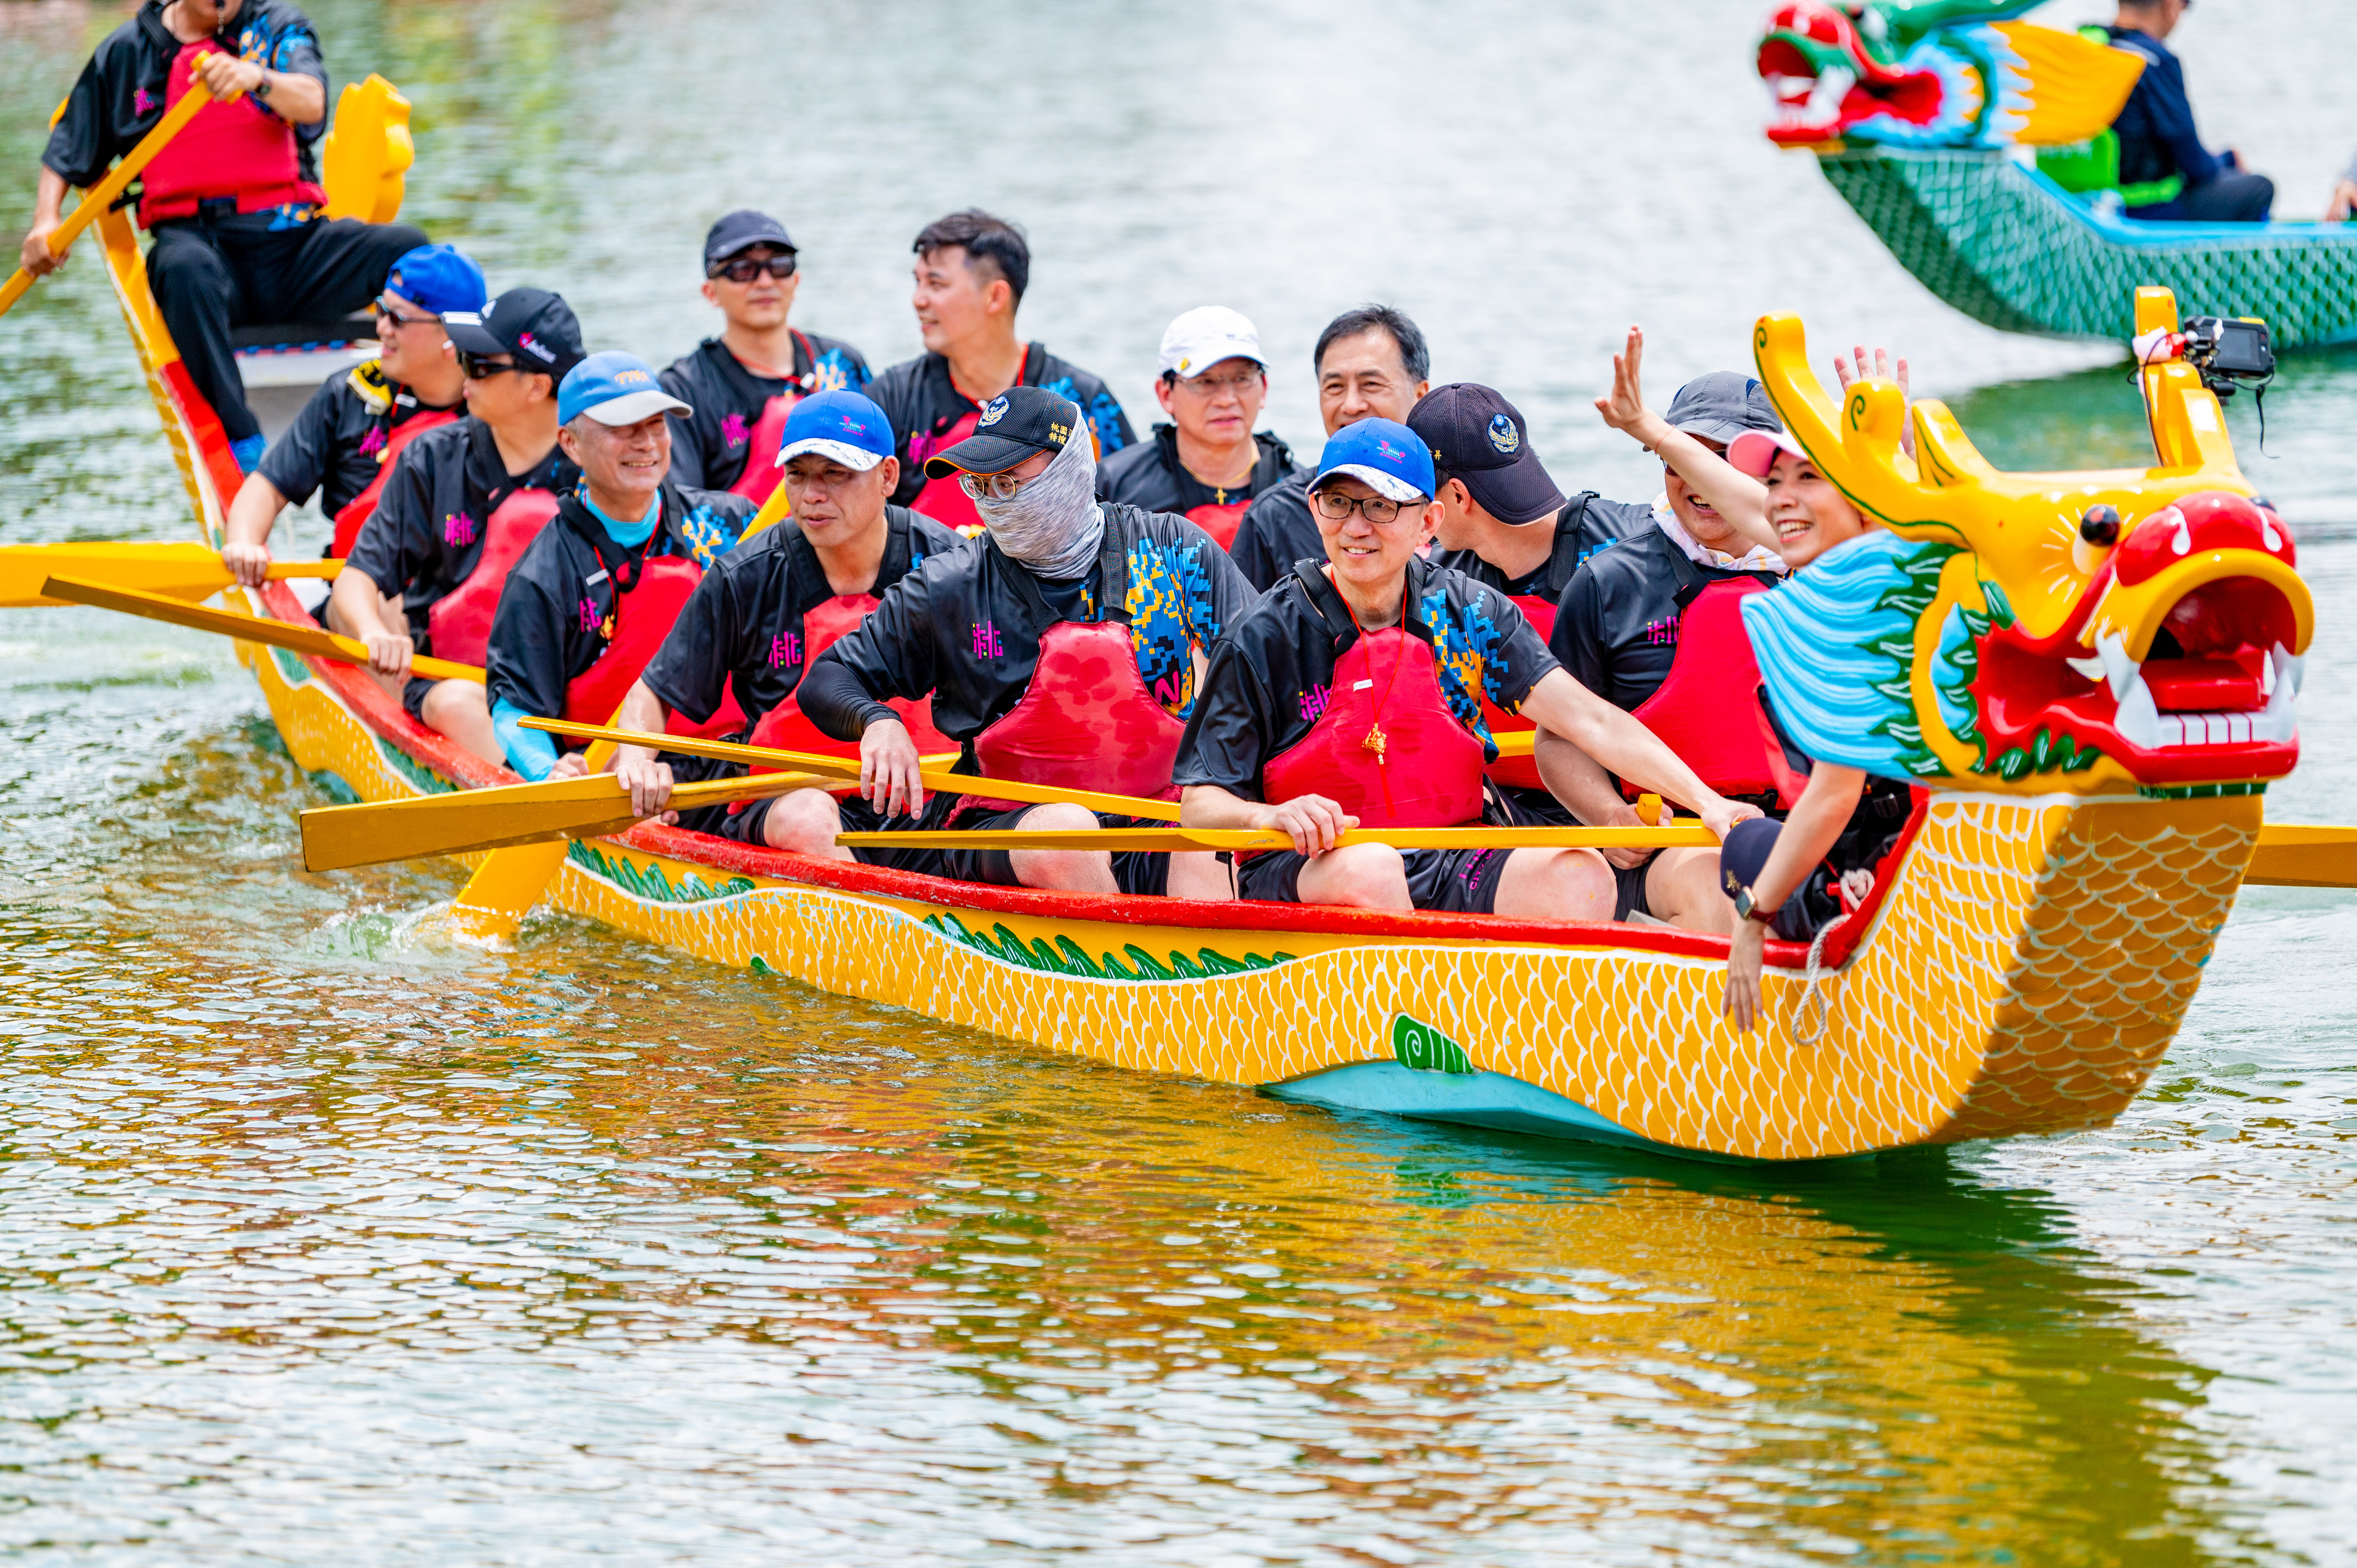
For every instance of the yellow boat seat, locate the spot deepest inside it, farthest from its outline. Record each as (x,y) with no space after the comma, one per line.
(365,160)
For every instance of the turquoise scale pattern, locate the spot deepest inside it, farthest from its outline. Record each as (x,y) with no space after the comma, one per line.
(2010,247)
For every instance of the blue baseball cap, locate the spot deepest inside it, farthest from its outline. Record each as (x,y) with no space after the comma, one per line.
(841,427)
(438,278)
(1385,453)
(614,388)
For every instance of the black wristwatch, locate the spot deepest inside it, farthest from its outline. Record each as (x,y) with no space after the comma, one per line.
(262,88)
(1747,909)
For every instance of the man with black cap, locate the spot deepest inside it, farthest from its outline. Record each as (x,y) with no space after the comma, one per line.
(970,271)
(1371,363)
(1208,463)
(596,593)
(743,383)
(351,431)
(1062,648)
(458,509)
(234,201)
(1618,630)
(1503,523)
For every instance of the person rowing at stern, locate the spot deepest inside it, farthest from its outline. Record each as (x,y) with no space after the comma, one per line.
(1351,695)
(744,382)
(769,607)
(1064,648)
(1208,463)
(595,593)
(458,510)
(345,441)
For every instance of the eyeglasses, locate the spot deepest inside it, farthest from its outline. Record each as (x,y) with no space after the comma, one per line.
(475,367)
(384,312)
(1339,507)
(1212,386)
(993,487)
(745,269)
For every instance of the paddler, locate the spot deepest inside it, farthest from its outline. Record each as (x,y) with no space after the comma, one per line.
(458,509)
(766,610)
(1796,876)
(1643,625)
(743,383)
(343,445)
(1208,463)
(1351,695)
(1064,648)
(970,272)
(234,201)
(596,592)
(1505,524)
(1371,363)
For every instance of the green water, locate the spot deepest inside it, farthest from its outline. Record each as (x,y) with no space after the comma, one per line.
(323,1241)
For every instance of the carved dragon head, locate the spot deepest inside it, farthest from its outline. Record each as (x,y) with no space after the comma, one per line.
(2093,633)
(1935,73)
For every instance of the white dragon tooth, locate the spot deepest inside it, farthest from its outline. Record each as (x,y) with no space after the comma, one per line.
(2119,670)
(2093,669)
(2138,719)
(2280,721)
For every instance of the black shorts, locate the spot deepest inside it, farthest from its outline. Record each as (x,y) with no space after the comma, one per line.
(745,825)
(1450,881)
(1537,809)
(413,698)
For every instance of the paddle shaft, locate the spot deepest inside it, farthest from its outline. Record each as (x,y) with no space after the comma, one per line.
(1692,835)
(849,767)
(103,195)
(316,641)
(184,571)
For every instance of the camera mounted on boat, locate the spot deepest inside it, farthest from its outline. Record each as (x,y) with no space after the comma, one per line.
(2230,353)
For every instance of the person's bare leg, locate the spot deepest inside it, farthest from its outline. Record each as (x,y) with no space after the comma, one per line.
(1062,870)
(1682,887)
(391,609)
(805,822)
(1555,885)
(460,711)
(1359,875)
(1201,876)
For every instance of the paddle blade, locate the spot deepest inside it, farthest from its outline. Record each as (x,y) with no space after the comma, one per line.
(2294,854)
(187,570)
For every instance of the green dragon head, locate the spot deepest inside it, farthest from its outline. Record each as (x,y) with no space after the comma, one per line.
(1935,73)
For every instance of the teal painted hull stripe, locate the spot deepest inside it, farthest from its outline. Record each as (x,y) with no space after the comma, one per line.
(1471,1099)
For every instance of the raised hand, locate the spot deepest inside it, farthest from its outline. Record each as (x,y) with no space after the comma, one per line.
(1880,371)
(1623,407)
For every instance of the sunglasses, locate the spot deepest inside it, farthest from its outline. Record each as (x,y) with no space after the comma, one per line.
(745,269)
(385,312)
(475,367)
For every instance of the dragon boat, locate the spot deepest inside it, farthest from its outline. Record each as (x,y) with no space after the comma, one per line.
(2090,726)
(1978,148)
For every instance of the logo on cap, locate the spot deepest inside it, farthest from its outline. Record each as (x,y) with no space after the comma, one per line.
(1059,433)
(527,341)
(1384,445)
(1504,436)
(993,411)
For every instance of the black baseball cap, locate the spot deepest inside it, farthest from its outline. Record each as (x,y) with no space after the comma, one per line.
(1475,435)
(1020,422)
(1721,406)
(535,326)
(739,229)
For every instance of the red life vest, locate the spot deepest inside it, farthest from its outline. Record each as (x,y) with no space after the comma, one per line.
(1219,522)
(1429,773)
(1086,721)
(1708,709)
(787,728)
(762,473)
(643,617)
(1519,772)
(236,149)
(460,624)
(944,499)
(361,507)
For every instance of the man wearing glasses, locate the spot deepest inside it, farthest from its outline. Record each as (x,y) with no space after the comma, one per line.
(1208,463)
(743,383)
(1351,695)
(460,505)
(343,445)
(1062,648)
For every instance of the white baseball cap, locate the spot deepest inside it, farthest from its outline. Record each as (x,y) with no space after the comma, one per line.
(1203,337)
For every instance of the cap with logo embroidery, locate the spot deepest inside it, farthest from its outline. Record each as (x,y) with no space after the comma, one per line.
(534,326)
(841,427)
(1384,454)
(614,388)
(1020,422)
(1479,439)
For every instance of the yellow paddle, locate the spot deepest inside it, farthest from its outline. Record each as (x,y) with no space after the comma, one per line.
(187,571)
(314,640)
(102,196)
(335,837)
(511,881)
(849,767)
(1674,835)
(2294,854)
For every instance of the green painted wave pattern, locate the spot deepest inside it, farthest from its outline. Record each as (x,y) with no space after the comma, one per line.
(651,883)
(1068,958)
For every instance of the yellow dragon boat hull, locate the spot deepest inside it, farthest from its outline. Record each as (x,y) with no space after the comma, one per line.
(2021,971)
